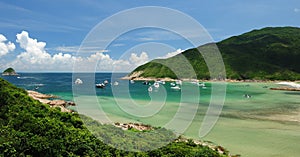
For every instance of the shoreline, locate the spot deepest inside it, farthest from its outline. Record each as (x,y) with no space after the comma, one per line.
(167,79)
(44,98)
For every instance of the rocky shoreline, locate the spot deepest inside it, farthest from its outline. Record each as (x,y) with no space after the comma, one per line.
(45,99)
(144,127)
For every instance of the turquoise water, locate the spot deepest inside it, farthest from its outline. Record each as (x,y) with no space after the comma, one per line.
(267,124)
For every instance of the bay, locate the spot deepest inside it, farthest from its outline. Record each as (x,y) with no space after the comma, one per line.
(267,124)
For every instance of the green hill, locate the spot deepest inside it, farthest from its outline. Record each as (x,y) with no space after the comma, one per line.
(9,71)
(29,128)
(271,53)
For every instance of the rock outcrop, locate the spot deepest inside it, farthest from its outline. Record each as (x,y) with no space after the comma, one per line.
(44,98)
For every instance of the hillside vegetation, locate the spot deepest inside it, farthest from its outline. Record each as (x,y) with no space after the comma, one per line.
(29,128)
(271,53)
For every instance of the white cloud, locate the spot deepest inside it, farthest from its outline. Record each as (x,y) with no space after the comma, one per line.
(171,54)
(296,10)
(36,58)
(139,60)
(118,45)
(74,49)
(35,51)
(5,48)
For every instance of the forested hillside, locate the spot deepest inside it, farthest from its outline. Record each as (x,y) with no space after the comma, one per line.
(271,53)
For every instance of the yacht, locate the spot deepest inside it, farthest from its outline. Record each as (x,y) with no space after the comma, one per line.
(116,83)
(156,85)
(150,89)
(100,85)
(176,87)
(78,81)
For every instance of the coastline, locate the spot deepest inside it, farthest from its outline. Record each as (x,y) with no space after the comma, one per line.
(140,127)
(167,79)
(44,98)
(271,118)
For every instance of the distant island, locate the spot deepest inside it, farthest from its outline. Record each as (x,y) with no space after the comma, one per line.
(271,53)
(9,72)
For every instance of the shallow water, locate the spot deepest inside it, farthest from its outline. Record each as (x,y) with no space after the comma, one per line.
(263,125)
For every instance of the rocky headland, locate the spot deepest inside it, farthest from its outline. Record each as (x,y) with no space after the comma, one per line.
(45,99)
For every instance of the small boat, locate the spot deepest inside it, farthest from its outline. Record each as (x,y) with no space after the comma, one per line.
(146,83)
(132,81)
(247,96)
(100,85)
(195,82)
(105,82)
(116,83)
(172,84)
(150,89)
(179,82)
(202,84)
(156,85)
(161,82)
(78,81)
(176,87)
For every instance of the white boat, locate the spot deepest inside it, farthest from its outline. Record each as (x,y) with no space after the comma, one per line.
(202,84)
(176,87)
(105,82)
(172,84)
(161,82)
(196,82)
(156,85)
(150,89)
(247,96)
(146,83)
(179,82)
(132,81)
(100,85)
(78,81)
(116,83)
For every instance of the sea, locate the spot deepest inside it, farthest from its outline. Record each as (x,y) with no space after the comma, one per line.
(254,120)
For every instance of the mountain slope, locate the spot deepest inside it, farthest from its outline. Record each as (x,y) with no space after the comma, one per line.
(269,53)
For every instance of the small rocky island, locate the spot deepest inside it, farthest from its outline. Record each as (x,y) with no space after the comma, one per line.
(9,72)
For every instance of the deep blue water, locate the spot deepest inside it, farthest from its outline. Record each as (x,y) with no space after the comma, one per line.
(55,83)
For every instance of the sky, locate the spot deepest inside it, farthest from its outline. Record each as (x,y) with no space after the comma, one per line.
(54,36)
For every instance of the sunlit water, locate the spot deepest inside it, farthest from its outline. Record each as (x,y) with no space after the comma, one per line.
(267,124)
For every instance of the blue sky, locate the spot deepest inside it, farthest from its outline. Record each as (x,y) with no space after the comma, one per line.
(50,32)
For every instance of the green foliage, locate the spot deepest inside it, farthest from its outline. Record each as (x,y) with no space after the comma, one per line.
(9,70)
(266,54)
(29,128)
